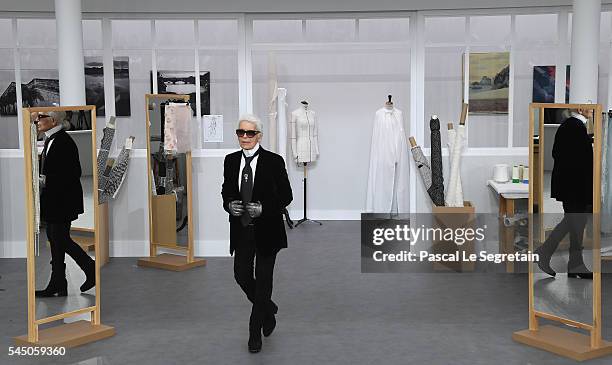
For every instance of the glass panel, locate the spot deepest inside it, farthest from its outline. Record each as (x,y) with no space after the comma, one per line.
(270,31)
(534,69)
(445,30)
(69,177)
(443,88)
(564,163)
(92,34)
(333,30)
(224,93)
(39,77)
(218,32)
(131,34)
(174,33)
(494,29)
(9,126)
(36,32)
(539,28)
(384,30)
(133,87)
(6,28)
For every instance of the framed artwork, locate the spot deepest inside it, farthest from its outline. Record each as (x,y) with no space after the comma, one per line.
(184,82)
(213,128)
(94,85)
(543,84)
(489,82)
(41,89)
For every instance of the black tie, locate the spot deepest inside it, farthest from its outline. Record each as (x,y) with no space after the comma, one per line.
(246,186)
(44,152)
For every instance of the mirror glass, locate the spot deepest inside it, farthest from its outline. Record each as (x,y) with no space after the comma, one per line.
(169,180)
(563,188)
(66,242)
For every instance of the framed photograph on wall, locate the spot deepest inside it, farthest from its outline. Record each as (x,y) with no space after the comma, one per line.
(213,128)
(184,82)
(40,88)
(94,85)
(543,84)
(489,82)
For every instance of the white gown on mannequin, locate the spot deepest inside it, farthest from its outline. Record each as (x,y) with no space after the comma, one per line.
(388,177)
(304,135)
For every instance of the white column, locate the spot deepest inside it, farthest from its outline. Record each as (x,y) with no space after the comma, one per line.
(585,51)
(69,26)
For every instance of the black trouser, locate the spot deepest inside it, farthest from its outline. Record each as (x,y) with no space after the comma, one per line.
(61,244)
(257,288)
(573,222)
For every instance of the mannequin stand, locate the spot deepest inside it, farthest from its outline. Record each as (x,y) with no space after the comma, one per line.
(305,219)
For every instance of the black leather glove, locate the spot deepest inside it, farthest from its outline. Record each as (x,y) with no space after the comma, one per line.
(254,209)
(236,208)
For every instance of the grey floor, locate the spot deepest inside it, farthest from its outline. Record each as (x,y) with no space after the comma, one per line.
(46,307)
(329,312)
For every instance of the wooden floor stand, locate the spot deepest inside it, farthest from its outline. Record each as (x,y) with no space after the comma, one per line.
(564,342)
(69,335)
(168,261)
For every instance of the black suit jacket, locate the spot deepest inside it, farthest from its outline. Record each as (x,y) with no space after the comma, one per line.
(572,174)
(61,200)
(271,187)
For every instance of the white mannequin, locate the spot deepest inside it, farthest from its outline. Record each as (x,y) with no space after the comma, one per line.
(304,135)
(387,189)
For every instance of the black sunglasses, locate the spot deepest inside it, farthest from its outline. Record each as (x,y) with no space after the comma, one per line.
(249,133)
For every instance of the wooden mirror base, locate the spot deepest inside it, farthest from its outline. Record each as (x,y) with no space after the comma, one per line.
(168,261)
(564,342)
(69,335)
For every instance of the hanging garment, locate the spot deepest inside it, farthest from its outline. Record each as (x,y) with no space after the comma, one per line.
(456,144)
(283,133)
(35,177)
(436,191)
(388,174)
(606,171)
(177,128)
(105,146)
(118,172)
(304,135)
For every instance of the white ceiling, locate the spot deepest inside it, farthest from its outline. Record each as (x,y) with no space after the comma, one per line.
(267,6)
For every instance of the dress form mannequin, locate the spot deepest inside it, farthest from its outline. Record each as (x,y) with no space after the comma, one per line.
(387,188)
(304,134)
(304,144)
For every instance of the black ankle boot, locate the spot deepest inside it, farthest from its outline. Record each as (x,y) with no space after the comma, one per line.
(544,261)
(57,286)
(90,281)
(576,267)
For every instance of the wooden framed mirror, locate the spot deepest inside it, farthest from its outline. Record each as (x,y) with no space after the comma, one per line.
(61,190)
(171,241)
(564,230)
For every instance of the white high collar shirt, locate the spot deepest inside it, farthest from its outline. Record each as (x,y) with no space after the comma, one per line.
(580,117)
(248,153)
(51,132)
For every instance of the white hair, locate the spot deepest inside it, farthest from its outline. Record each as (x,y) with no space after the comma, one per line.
(251,119)
(60,118)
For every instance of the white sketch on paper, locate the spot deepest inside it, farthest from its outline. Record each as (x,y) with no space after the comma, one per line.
(213,128)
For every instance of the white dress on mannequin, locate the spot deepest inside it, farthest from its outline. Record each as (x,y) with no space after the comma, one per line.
(388,177)
(304,135)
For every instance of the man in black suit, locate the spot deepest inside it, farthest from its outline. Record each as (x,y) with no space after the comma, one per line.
(255,192)
(572,184)
(61,202)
